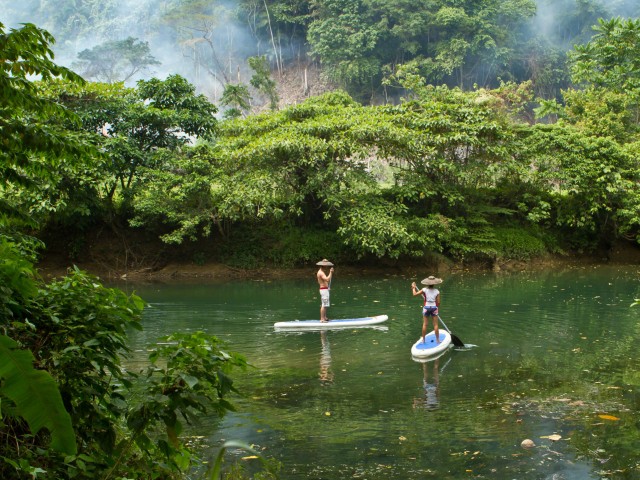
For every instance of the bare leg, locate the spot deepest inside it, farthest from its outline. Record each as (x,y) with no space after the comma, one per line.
(424,327)
(435,328)
(323,314)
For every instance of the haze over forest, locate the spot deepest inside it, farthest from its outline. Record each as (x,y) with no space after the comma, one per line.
(209,42)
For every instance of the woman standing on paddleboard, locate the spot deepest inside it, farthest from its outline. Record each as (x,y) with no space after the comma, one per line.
(431,299)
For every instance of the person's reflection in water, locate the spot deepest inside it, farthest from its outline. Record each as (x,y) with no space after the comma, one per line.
(326,374)
(431,399)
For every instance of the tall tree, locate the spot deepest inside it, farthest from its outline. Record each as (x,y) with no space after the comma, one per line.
(343,37)
(611,58)
(33,146)
(200,29)
(261,80)
(237,98)
(115,60)
(131,124)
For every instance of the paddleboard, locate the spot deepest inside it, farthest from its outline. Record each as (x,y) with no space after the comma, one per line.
(429,347)
(430,358)
(344,322)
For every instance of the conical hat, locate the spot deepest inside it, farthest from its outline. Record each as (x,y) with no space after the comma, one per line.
(324,263)
(431,280)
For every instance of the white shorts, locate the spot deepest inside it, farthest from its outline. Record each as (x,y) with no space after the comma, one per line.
(324,297)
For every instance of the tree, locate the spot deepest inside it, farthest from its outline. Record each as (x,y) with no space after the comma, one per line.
(199,27)
(131,125)
(587,180)
(31,149)
(33,146)
(237,98)
(278,22)
(309,165)
(611,60)
(116,60)
(344,40)
(262,81)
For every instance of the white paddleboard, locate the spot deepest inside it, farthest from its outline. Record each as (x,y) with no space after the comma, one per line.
(344,322)
(430,347)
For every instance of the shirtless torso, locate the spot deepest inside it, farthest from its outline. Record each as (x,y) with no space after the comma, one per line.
(324,281)
(323,278)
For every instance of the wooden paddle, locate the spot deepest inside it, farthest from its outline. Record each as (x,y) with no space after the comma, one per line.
(456,341)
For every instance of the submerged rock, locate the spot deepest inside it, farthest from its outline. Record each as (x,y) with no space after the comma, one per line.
(527,443)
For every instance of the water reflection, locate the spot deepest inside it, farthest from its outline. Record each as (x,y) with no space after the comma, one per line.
(326,374)
(543,338)
(430,382)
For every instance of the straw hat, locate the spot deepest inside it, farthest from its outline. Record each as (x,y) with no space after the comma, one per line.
(431,280)
(324,263)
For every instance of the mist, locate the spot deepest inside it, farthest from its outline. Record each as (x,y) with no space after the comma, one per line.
(211,49)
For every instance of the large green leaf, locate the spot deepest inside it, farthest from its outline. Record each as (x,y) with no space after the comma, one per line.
(36,396)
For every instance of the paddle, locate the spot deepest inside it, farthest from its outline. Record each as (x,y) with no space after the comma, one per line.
(456,341)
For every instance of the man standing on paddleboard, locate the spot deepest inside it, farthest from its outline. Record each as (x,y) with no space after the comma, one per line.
(324,281)
(431,298)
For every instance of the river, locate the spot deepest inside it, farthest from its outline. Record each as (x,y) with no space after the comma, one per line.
(551,357)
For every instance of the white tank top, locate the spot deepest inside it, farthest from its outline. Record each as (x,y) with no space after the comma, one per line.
(430,295)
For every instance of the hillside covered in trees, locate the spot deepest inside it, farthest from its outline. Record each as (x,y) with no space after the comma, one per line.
(314,46)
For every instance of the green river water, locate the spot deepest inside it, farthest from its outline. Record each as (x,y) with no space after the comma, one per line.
(549,353)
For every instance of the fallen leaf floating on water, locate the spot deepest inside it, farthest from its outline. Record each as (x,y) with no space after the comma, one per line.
(608,417)
(328,414)
(250,457)
(401,438)
(554,438)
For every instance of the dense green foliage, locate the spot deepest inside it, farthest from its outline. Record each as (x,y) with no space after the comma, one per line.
(130,126)
(32,147)
(106,420)
(444,172)
(464,173)
(356,43)
(69,407)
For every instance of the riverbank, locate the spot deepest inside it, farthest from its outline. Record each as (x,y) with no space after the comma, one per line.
(111,262)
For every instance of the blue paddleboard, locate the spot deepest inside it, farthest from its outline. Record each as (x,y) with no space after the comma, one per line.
(430,347)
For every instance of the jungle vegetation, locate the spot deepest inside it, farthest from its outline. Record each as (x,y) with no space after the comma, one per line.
(68,406)
(468,172)
(356,44)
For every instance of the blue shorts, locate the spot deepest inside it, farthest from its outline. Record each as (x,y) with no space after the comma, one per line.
(430,311)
